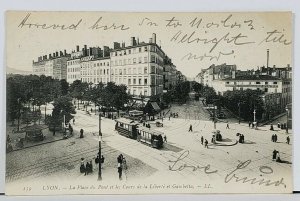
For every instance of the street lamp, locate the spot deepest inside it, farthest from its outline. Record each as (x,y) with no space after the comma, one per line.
(239,105)
(215,108)
(287,118)
(100,138)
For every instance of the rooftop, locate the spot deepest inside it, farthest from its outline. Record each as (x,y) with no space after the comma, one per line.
(253,77)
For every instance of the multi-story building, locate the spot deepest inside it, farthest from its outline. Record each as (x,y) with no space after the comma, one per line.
(89,65)
(169,74)
(142,66)
(55,65)
(139,66)
(219,72)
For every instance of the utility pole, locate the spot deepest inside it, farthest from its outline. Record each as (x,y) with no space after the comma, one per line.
(239,104)
(100,138)
(287,118)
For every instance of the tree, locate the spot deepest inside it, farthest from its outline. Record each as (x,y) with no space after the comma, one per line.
(64,87)
(197,87)
(78,89)
(114,96)
(244,103)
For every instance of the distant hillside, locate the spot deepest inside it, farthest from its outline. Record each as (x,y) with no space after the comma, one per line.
(16,71)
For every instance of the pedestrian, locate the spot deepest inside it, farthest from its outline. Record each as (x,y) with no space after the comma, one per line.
(271,127)
(124,163)
(87,168)
(252,125)
(202,139)
(206,144)
(227,126)
(82,167)
(81,133)
(275,138)
(97,159)
(71,130)
(191,128)
(120,170)
(73,121)
(102,159)
(249,124)
(274,155)
(91,166)
(278,125)
(169,117)
(165,138)
(288,139)
(278,157)
(240,138)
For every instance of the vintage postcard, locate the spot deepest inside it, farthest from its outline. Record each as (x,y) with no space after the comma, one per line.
(148,103)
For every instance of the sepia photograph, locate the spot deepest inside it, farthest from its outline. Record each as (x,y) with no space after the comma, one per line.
(148,103)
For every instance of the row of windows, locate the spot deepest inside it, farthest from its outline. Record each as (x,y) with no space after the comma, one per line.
(95,72)
(253,83)
(73,62)
(95,80)
(136,92)
(258,89)
(73,77)
(73,69)
(130,71)
(129,51)
(129,61)
(88,64)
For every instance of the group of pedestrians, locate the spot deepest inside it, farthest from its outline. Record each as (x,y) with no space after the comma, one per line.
(276,156)
(122,164)
(274,138)
(87,167)
(252,124)
(174,115)
(241,137)
(281,125)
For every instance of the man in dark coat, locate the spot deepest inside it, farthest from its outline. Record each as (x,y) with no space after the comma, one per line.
(275,138)
(206,143)
(120,170)
(274,154)
(81,133)
(202,139)
(288,139)
(191,128)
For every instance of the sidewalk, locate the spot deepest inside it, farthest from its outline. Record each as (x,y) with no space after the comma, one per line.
(15,136)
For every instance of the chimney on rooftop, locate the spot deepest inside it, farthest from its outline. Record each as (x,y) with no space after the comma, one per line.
(77,48)
(65,52)
(133,42)
(154,38)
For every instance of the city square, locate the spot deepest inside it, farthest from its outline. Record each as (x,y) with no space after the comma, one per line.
(185,103)
(60,160)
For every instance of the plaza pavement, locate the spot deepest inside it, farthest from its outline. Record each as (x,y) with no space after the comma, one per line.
(152,165)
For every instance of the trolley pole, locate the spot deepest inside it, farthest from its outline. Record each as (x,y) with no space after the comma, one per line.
(100,136)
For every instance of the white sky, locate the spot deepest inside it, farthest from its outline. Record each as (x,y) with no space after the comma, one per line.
(26,44)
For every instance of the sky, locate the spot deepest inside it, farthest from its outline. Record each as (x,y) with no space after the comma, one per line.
(193,41)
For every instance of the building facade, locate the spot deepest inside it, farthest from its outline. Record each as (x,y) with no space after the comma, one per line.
(138,66)
(54,65)
(142,66)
